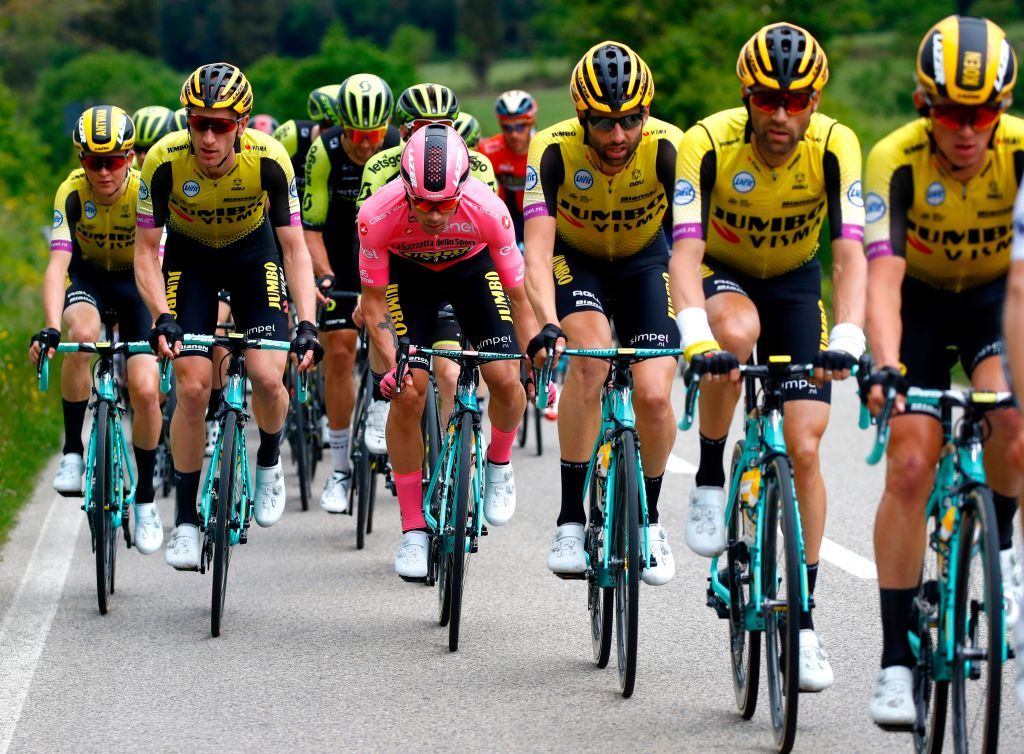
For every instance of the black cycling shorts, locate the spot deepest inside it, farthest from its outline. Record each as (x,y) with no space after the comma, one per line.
(337,313)
(631,292)
(474,290)
(793,321)
(255,281)
(114,295)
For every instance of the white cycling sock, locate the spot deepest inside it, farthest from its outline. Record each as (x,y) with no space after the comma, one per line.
(339,449)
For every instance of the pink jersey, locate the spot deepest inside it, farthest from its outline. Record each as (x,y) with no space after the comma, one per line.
(386,226)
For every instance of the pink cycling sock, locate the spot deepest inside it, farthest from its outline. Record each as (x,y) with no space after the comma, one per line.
(500,449)
(410,500)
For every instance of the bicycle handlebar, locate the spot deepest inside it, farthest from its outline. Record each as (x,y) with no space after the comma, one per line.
(104,348)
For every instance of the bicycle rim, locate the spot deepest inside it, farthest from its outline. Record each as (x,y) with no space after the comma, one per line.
(626,550)
(600,602)
(930,696)
(362,465)
(101,487)
(977,628)
(744,645)
(780,583)
(226,490)
(302,454)
(459,524)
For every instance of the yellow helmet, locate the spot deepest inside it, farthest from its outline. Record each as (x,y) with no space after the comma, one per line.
(968,60)
(611,77)
(104,129)
(219,86)
(783,56)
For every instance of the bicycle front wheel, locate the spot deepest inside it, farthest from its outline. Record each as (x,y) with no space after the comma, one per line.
(744,645)
(600,602)
(226,491)
(977,627)
(781,600)
(459,524)
(302,450)
(523,431)
(361,463)
(537,427)
(103,508)
(626,556)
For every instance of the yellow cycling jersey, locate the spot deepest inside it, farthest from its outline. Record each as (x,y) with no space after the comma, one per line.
(953,235)
(101,235)
(759,220)
(217,212)
(605,216)
(384,166)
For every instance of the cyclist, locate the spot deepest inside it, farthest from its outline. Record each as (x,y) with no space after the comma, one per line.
(417,106)
(598,190)
(334,169)
(468,128)
(1013,332)
(151,124)
(210,185)
(517,114)
(940,193)
(265,123)
(754,186)
(90,274)
(421,240)
(179,120)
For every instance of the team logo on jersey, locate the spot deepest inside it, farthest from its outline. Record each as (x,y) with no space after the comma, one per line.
(143,190)
(743,182)
(292,189)
(506,222)
(90,210)
(335,143)
(855,195)
(874,208)
(190,188)
(58,218)
(684,193)
(363,230)
(935,194)
(583,179)
(531,178)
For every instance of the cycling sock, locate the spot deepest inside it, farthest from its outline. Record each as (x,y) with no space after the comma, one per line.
(500,449)
(806,619)
(339,448)
(1005,508)
(410,500)
(377,394)
(74,419)
(214,404)
(652,488)
(711,472)
(270,449)
(574,476)
(145,461)
(897,606)
(186,488)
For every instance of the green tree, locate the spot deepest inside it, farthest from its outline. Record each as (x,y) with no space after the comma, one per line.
(481,36)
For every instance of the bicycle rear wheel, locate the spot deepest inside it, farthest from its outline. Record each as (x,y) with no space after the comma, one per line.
(781,595)
(460,521)
(226,491)
(600,602)
(362,463)
(977,627)
(744,645)
(302,450)
(626,556)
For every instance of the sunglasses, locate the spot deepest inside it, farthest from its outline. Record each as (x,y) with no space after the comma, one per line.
(96,163)
(794,103)
(372,136)
(517,127)
(427,206)
(416,124)
(955,117)
(605,123)
(217,125)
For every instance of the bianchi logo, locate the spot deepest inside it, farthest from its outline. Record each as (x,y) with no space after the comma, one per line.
(90,210)
(583,179)
(190,188)
(531,178)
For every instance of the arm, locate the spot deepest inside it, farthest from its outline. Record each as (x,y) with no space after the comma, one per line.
(148,277)
(53,288)
(523,319)
(315,204)
(378,323)
(298,271)
(1013,327)
(539,235)
(317,252)
(884,299)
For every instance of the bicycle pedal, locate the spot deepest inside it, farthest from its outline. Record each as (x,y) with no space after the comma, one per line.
(483,530)
(73,493)
(413,579)
(717,604)
(582,576)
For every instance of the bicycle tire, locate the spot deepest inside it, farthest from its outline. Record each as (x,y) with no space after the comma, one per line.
(221,529)
(460,523)
(600,602)
(522,432)
(102,531)
(626,553)
(744,645)
(782,626)
(537,429)
(930,696)
(977,627)
(302,453)
(431,428)
(364,465)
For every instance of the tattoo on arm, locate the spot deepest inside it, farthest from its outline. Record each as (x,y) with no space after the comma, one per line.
(387,324)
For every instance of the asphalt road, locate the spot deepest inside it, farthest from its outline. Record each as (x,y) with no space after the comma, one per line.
(324,648)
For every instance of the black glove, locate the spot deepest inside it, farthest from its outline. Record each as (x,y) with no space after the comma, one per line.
(305,340)
(47,338)
(326,282)
(544,339)
(167,326)
(713,362)
(834,361)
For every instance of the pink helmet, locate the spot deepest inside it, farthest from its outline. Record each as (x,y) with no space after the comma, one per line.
(435,163)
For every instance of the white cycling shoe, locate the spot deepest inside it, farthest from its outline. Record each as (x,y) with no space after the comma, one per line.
(499,493)
(664,567)
(182,551)
(376,423)
(567,555)
(268,506)
(68,481)
(892,702)
(325,432)
(411,558)
(1013,586)
(212,435)
(705,524)
(149,531)
(815,670)
(334,498)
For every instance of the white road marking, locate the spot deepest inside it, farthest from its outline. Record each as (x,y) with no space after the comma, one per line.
(26,626)
(677,465)
(848,560)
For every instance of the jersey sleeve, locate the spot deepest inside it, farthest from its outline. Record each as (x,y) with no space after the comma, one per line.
(278,180)
(890,193)
(480,167)
(375,175)
(65,213)
(843,185)
(154,189)
(545,173)
(317,193)
(665,166)
(1017,253)
(374,264)
(696,166)
(288,134)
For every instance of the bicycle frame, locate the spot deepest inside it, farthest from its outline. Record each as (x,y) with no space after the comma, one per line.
(234,400)
(105,389)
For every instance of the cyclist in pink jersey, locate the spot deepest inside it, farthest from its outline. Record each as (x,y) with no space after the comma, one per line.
(421,242)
